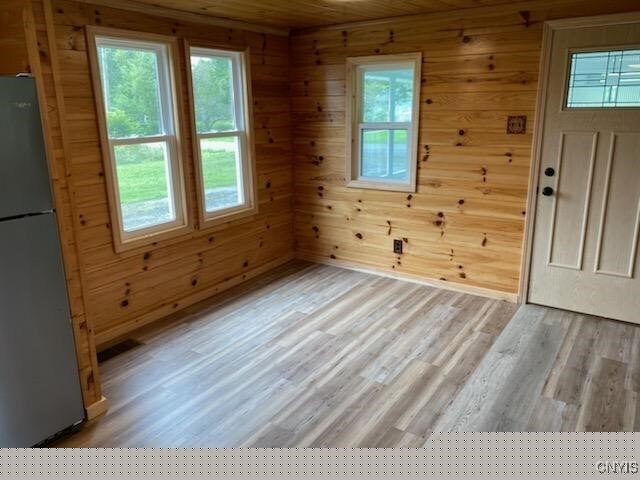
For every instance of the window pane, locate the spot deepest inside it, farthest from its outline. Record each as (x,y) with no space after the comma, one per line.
(220,172)
(387,95)
(605,79)
(130,87)
(213,93)
(385,154)
(143,174)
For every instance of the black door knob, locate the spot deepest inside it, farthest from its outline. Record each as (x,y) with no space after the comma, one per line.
(547,191)
(549,172)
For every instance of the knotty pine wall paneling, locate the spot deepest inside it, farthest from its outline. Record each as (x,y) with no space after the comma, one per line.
(465,224)
(127,290)
(13,41)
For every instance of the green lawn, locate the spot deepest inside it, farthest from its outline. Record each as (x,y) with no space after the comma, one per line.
(142,177)
(375,152)
(141,172)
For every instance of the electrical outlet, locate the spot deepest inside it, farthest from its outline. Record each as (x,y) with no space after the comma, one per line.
(397,246)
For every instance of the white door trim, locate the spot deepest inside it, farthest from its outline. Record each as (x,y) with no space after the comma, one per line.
(534,171)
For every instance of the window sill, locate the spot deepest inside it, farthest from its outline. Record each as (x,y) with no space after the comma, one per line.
(172,234)
(227,217)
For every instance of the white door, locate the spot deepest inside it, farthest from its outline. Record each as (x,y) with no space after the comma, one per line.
(588,206)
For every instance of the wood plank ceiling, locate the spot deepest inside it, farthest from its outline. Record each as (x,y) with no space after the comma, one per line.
(297,14)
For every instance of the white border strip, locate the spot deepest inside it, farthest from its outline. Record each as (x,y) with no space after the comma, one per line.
(470,455)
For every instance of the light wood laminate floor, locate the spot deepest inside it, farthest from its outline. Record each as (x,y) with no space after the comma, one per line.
(311,355)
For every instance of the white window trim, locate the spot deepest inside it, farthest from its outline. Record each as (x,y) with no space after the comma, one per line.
(244,132)
(355,126)
(169,97)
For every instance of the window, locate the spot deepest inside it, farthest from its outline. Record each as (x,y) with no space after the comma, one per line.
(604,79)
(222,146)
(135,93)
(382,126)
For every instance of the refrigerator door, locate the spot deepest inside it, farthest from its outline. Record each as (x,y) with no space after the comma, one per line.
(39,385)
(24,177)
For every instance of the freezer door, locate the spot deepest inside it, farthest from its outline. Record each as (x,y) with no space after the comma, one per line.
(24,176)
(39,386)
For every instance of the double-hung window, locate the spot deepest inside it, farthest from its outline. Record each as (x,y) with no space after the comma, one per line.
(135,93)
(383,94)
(220,101)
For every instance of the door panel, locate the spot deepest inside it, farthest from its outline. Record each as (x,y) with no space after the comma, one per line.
(618,235)
(584,255)
(574,182)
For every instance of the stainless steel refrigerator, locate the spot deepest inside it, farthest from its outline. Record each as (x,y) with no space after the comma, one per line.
(39,385)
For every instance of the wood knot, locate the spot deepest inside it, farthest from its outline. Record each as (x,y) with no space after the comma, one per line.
(526,16)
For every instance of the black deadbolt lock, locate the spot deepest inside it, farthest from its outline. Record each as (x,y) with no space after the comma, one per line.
(549,172)
(547,191)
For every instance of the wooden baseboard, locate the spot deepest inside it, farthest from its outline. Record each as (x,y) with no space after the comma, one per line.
(107,337)
(98,408)
(456,287)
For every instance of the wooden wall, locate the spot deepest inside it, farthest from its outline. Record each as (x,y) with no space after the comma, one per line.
(465,223)
(123,291)
(13,43)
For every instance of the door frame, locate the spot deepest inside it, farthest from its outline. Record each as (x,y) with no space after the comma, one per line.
(549,28)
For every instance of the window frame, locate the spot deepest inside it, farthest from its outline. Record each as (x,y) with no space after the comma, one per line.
(242,104)
(355,126)
(171,114)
